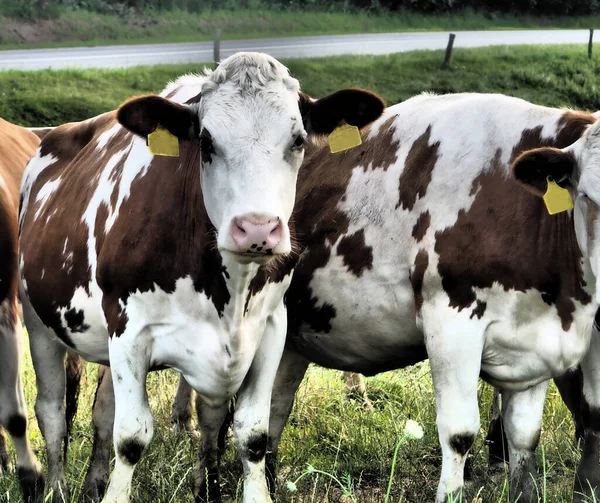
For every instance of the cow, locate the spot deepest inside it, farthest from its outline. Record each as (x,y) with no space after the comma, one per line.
(17,145)
(159,236)
(399,221)
(432,240)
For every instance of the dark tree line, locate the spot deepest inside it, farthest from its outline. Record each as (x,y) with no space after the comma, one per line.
(44,8)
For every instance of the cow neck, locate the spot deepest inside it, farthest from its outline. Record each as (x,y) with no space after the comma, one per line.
(513,242)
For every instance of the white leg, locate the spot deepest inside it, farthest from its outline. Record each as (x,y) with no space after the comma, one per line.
(13,409)
(587,480)
(103,416)
(522,418)
(251,417)
(134,425)
(48,356)
(454,348)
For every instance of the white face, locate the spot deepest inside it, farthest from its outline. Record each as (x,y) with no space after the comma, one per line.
(252,147)
(587,203)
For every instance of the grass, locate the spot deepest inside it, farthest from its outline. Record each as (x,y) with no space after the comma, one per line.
(81,27)
(554,76)
(332,433)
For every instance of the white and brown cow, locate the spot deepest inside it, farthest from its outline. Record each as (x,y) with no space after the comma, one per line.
(17,145)
(421,242)
(147,261)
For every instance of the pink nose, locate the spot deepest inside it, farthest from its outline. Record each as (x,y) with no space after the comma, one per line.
(259,234)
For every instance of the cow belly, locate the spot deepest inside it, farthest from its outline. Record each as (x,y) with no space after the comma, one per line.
(520,357)
(373,327)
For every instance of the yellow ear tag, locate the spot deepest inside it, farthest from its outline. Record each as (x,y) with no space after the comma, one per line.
(556,198)
(161,142)
(344,137)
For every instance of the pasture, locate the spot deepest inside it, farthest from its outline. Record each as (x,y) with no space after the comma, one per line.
(62,26)
(327,431)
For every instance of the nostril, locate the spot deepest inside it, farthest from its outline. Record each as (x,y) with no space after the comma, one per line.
(276,231)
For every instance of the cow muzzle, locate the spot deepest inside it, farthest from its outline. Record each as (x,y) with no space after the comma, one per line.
(256,237)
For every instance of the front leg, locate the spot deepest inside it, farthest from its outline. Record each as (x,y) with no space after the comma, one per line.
(251,417)
(587,479)
(454,347)
(133,426)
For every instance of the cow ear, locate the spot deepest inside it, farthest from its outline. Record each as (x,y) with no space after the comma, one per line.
(534,167)
(144,114)
(355,106)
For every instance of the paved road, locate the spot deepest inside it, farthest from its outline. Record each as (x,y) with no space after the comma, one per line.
(121,56)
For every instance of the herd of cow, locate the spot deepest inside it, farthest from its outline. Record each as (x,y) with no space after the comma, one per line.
(212,230)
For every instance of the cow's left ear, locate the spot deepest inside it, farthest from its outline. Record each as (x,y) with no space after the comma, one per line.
(144,114)
(355,106)
(534,167)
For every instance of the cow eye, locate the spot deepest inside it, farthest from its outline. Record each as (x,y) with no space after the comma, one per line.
(206,146)
(298,142)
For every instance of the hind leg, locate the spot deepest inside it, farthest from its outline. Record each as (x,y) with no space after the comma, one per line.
(4,456)
(103,417)
(48,356)
(496,437)
(522,418)
(13,409)
(181,413)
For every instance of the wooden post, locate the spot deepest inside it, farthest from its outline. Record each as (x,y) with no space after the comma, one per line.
(217,48)
(449,50)
(591,43)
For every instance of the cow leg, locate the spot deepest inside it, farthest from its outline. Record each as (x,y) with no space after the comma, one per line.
(522,418)
(48,356)
(570,387)
(290,373)
(4,456)
(134,424)
(356,387)
(496,436)
(210,419)
(251,416)
(181,413)
(587,479)
(13,409)
(103,416)
(455,360)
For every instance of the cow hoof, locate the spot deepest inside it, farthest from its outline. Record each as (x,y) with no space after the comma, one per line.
(94,490)
(32,484)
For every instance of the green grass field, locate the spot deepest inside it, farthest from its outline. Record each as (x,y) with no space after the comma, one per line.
(326,430)
(80,27)
(554,76)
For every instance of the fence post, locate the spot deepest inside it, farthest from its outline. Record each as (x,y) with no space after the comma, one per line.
(217,48)
(449,50)
(590,43)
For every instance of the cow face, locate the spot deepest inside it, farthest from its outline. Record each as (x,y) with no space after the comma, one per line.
(251,124)
(576,168)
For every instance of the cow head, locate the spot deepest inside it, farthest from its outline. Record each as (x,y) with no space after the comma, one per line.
(576,168)
(251,124)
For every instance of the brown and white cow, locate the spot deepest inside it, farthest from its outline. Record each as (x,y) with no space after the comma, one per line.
(17,145)
(426,222)
(146,261)
(420,242)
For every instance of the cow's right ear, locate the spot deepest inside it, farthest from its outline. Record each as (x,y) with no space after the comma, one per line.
(144,114)
(356,107)
(534,167)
